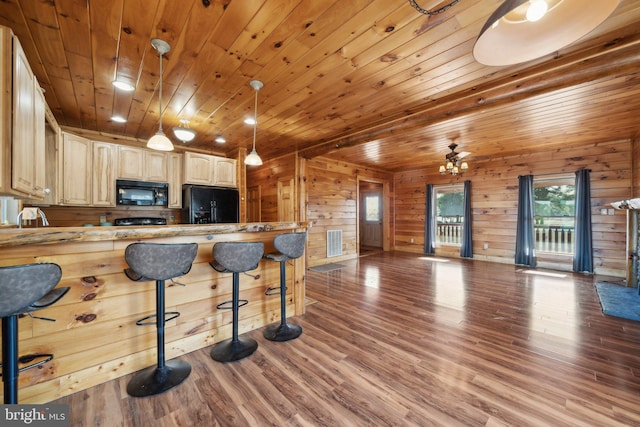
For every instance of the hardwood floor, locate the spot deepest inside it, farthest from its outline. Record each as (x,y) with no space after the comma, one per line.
(398,339)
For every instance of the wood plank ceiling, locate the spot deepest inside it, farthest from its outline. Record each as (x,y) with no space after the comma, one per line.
(372,82)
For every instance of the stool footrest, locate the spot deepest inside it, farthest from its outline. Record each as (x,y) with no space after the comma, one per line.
(273,291)
(228,305)
(169,315)
(30,357)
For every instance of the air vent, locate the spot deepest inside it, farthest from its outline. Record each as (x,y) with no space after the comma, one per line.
(334,243)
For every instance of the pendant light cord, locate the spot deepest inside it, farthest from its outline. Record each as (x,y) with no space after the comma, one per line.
(415,5)
(160,93)
(255,119)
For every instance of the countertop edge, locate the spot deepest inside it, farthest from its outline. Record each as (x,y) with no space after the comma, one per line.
(46,235)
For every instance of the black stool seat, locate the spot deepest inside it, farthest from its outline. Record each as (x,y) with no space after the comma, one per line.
(159,262)
(24,289)
(236,258)
(288,246)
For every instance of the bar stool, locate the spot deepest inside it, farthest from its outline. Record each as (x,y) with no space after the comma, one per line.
(236,258)
(159,262)
(288,246)
(24,289)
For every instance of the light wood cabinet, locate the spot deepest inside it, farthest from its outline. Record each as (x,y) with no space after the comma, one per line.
(22,123)
(103,191)
(205,169)
(87,172)
(141,165)
(76,170)
(175,180)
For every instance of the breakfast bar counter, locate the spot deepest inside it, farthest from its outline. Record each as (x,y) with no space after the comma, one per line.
(95,337)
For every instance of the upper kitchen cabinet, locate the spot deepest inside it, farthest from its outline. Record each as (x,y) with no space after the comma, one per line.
(22,123)
(205,169)
(87,172)
(141,165)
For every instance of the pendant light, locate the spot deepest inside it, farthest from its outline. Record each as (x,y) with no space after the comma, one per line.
(523,30)
(253,159)
(159,141)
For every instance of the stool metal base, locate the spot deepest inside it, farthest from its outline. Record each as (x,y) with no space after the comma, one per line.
(155,380)
(280,332)
(229,350)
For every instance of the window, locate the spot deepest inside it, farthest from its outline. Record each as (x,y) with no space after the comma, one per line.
(372,208)
(449,203)
(554,210)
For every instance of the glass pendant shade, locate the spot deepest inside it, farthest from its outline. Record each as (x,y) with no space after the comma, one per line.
(160,142)
(253,159)
(511,36)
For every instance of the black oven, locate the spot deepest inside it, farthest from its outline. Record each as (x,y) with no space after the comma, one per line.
(141,193)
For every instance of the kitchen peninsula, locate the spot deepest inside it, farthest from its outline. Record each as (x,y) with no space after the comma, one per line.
(95,337)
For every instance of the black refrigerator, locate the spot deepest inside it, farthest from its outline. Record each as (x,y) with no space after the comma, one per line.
(209,205)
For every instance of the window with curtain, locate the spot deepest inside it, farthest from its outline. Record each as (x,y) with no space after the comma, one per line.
(554,214)
(449,205)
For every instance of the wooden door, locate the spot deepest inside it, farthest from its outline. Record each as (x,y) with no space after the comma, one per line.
(371,218)
(285,201)
(253,204)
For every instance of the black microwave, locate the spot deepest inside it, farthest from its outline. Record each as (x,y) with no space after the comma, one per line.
(141,193)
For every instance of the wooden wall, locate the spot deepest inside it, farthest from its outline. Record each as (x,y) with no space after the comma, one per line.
(494,185)
(282,170)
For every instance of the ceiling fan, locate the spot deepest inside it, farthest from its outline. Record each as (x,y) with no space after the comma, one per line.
(454,163)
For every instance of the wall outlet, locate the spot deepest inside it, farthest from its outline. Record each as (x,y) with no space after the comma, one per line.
(603,211)
(411,240)
(485,246)
(611,211)
(172,218)
(103,218)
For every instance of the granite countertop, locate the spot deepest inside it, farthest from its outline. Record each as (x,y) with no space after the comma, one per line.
(44,235)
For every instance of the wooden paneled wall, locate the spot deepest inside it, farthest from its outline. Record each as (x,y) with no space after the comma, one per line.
(267,177)
(494,188)
(635,156)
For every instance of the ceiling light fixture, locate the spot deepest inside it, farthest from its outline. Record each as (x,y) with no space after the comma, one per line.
(220,139)
(453,162)
(159,141)
(184,133)
(253,159)
(523,30)
(118,119)
(123,86)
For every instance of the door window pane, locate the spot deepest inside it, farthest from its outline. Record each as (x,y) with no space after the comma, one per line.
(372,208)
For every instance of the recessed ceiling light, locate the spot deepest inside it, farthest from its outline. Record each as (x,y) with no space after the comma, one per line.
(250,121)
(124,86)
(118,119)
(220,139)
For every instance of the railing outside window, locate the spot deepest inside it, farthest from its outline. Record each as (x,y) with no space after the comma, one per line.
(552,234)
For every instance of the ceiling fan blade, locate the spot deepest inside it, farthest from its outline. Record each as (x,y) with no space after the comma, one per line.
(463,154)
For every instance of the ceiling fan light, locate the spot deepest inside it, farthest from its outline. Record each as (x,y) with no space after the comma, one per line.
(537,9)
(464,166)
(184,134)
(442,169)
(160,142)
(518,40)
(253,159)
(449,166)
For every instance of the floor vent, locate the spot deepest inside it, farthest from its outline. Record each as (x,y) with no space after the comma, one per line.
(334,243)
